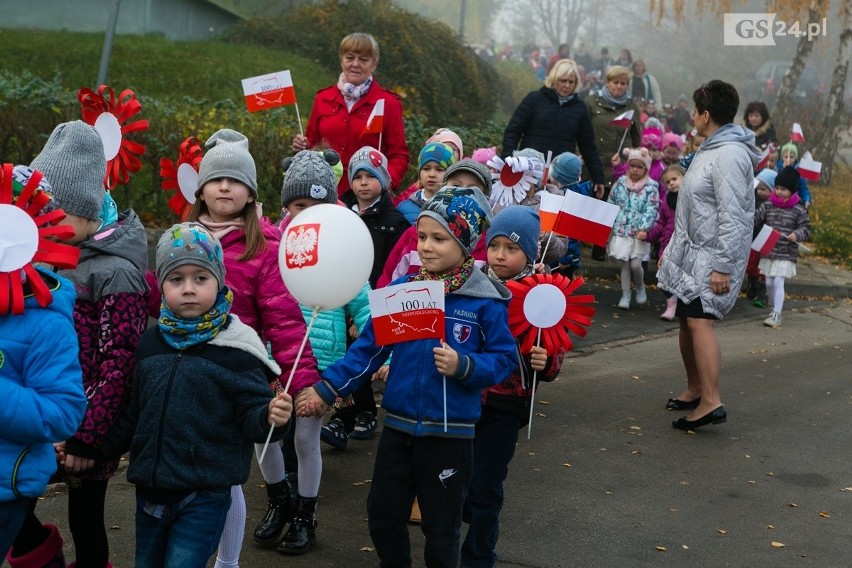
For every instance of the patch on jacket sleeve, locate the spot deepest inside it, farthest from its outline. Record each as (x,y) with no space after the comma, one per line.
(461,332)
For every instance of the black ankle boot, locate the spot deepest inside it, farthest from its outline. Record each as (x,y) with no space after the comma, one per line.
(279,512)
(302,532)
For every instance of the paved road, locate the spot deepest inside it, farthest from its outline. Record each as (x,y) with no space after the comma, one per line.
(605,481)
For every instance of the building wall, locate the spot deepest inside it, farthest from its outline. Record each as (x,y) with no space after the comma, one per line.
(176,19)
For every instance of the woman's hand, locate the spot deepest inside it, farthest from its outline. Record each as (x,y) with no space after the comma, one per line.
(599,190)
(720,283)
(538,358)
(446,360)
(299,143)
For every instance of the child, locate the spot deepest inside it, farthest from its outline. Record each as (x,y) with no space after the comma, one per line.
(565,174)
(43,400)
(764,185)
(226,204)
(790,157)
(693,142)
(512,251)
(200,398)
(663,228)
(637,196)
(416,456)
(785,213)
(435,158)
(110,315)
(451,139)
(672,148)
(403,259)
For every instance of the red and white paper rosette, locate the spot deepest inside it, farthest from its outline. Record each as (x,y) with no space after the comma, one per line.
(181,176)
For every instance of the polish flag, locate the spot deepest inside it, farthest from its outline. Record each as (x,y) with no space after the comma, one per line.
(809,168)
(376,120)
(765,240)
(623,120)
(548,210)
(269,91)
(764,158)
(409,311)
(585,218)
(797,135)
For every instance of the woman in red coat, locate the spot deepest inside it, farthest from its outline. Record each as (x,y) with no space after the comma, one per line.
(340,112)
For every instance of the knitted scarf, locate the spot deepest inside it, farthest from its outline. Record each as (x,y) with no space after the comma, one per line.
(453,280)
(221,228)
(183,333)
(351,93)
(528,270)
(788,203)
(636,186)
(616,102)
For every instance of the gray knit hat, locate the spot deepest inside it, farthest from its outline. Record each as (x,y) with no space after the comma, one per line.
(371,160)
(189,243)
(73,161)
(227,157)
(309,174)
(480,171)
(463,212)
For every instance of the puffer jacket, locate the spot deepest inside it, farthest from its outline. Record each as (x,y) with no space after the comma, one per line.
(713,221)
(41,385)
(785,220)
(110,315)
(342,130)
(262,302)
(476,326)
(637,209)
(662,230)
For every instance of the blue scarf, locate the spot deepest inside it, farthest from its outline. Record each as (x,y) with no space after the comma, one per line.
(183,333)
(615,102)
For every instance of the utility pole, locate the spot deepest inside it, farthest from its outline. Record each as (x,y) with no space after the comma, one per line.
(110,33)
(462,14)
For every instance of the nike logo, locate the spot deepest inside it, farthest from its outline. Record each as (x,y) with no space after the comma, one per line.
(445,475)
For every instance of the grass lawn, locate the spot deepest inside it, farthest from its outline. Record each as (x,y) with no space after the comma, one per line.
(831,218)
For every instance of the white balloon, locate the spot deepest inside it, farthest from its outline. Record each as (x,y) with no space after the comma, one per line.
(326,256)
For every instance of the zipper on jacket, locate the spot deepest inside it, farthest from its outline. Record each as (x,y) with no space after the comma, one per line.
(163,419)
(15,469)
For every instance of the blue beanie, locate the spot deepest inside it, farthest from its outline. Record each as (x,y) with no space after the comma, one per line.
(767,177)
(566,168)
(520,224)
(436,152)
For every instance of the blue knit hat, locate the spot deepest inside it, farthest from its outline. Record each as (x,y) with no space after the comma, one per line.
(520,224)
(436,152)
(767,177)
(566,168)
(372,161)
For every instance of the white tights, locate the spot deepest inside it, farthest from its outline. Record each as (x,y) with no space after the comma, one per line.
(775,290)
(632,267)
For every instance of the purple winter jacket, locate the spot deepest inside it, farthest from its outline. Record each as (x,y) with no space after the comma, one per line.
(663,229)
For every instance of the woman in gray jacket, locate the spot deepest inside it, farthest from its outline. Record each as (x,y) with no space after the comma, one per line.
(704,263)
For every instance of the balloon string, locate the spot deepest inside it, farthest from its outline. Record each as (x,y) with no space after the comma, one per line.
(290,379)
(532,400)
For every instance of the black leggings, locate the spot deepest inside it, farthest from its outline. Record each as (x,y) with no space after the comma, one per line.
(86,519)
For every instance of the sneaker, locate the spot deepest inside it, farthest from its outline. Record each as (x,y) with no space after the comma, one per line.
(773,321)
(641,296)
(365,425)
(624,302)
(334,434)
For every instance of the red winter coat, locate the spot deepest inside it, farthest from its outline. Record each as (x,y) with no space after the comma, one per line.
(331,124)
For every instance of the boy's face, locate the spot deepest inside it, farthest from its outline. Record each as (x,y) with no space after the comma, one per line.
(439,252)
(505,257)
(461,178)
(431,175)
(298,205)
(763,191)
(366,188)
(190,291)
(225,198)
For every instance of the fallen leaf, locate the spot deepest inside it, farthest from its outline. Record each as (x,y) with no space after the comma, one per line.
(776,544)
(752,481)
(635,377)
(684,547)
(544,402)
(660,548)
(770,474)
(358,483)
(541,415)
(635,453)
(723,531)
(367,549)
(608,492)
(673,510)
(847,489)
(792,505)
(635,427)
(530,453)
(115,528)
(748,456)
(770,526)
(824,515)
(566,464)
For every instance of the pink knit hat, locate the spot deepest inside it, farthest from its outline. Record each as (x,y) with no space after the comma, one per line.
(652,138)
(672,139)
(482,155)
(642,155)
(447,136)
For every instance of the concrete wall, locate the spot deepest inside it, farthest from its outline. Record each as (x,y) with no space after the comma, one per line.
(176,19)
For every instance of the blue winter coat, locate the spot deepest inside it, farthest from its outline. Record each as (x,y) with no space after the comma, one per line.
(329,332)
(41,388)
(476,326)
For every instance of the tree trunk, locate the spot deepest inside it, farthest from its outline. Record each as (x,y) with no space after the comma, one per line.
(826,144)
(782,113)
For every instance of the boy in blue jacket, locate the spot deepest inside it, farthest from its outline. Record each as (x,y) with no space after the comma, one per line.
(416,457)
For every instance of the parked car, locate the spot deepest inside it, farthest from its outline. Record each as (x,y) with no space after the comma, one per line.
(766,83)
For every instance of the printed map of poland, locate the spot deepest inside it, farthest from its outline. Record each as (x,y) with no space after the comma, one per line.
(417,307)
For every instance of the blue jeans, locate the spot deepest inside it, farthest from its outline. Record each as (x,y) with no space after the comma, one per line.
(12,515)
(184,537)
(494,447)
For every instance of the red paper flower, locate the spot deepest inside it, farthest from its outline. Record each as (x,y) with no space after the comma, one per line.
(25,238)
(576,317)
(182,176)
(108,115)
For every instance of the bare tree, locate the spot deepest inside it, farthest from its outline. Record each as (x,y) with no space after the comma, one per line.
(559,20)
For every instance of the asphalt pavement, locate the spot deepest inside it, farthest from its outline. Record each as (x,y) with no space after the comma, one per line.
(605,481)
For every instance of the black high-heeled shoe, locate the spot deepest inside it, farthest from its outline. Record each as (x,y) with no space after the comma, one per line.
(678,404)
(717,416)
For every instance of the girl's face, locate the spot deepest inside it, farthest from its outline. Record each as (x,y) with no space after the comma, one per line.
(754,119)
(566,84)
(772,160)
(783,192)
(461,178)
(505,257)
(366,188)
(190,291)
(298,205)
(671,154)
(617,86)
(788,159)
(439,252)
(83,228)
(357,67)
(763,191)
(431,175)
(225,198)
(673,181)
(636,170)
